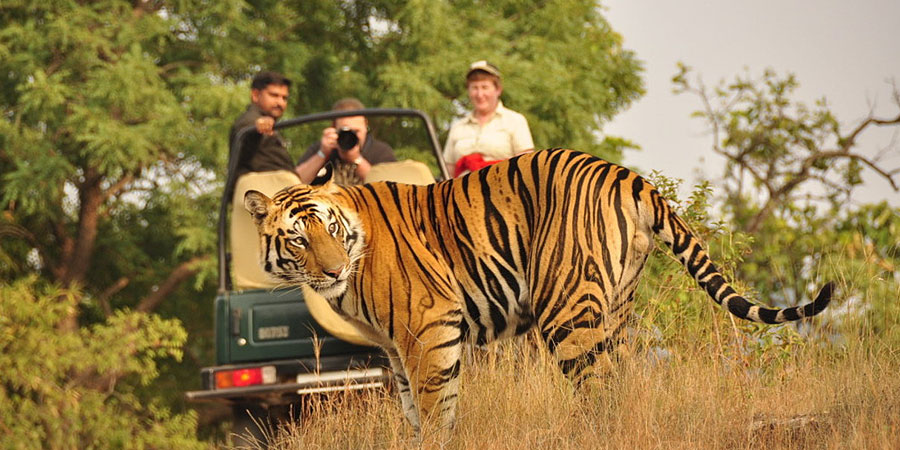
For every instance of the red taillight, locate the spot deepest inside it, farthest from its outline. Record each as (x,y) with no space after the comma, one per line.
(245,377)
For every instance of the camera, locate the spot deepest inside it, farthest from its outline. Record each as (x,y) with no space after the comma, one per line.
(347,138)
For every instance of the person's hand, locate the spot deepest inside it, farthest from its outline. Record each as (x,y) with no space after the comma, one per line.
(329,141)
(265,125)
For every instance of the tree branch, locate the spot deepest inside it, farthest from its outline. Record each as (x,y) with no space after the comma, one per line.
(835,186)
(850,140)
(885,173)
(744,165)
(113,289)
(75,267)
(20,232)
(781,175)
(141,7)
(117,187)
(181,273)
(166,68)
(66,247)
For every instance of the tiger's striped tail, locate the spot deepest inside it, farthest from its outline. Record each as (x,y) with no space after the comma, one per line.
(687,248)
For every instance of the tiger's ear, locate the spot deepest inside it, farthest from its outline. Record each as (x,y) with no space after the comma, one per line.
(324,175)
(257,204)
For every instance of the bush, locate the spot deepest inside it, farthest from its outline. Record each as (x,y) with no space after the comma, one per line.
(78,389)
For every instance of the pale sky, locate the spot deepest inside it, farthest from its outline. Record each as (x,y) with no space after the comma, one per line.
(846,51)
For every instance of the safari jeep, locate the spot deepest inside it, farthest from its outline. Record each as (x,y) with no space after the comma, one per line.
(275,345)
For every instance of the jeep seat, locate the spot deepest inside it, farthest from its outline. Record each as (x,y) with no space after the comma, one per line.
(246,272)
(407,171)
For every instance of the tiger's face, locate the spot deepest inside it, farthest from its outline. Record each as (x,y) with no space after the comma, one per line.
(306,238)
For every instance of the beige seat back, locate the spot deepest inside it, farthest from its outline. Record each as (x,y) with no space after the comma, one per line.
(407,171)
(246,272)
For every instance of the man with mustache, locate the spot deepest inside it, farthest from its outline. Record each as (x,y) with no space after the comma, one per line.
(265,150)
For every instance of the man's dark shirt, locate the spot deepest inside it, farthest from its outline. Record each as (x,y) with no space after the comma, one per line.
(373,150)
(260,153)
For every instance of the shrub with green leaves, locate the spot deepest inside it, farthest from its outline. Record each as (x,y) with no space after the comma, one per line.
(857,249)
(77,389)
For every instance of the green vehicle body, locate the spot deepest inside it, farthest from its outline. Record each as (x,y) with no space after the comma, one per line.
(263,325)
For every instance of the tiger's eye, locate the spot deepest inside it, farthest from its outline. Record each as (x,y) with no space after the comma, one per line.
(333,228)
(299,242)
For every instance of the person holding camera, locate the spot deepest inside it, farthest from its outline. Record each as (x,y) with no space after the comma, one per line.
(348,146)
(491,132)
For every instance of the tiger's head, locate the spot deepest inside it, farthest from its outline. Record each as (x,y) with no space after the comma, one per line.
(306,238)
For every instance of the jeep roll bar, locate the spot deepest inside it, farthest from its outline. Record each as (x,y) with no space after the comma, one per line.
(225,283)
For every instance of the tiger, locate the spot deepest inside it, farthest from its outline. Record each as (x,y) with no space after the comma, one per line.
(554,239)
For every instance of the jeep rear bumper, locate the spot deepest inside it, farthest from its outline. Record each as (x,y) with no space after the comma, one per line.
(296,378)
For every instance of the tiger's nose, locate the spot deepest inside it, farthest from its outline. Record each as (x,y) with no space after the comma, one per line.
(333,272)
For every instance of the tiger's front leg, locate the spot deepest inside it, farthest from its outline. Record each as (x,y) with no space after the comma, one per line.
(431,359)
(401,381)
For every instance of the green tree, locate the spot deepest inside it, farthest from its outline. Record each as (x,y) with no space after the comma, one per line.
(112,142)
(115,116)
(777,151)
(776,147)
(106,131)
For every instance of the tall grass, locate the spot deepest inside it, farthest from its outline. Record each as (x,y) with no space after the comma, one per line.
(697,379)
(513,397)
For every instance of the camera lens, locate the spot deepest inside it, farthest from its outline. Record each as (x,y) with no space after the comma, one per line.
(347,138)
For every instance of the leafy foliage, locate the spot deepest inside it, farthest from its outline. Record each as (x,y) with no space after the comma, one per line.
(675,315)
(103,118)
(778,149)
(78,389)
(790,171)
(113,120)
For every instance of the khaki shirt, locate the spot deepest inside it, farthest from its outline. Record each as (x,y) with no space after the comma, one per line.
(504,136)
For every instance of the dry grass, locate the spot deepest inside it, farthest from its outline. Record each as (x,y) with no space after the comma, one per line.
(513,397)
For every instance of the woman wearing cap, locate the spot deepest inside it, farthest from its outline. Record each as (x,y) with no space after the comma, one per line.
(490,132)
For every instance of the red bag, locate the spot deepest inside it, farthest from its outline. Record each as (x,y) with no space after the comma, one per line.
(471,163)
